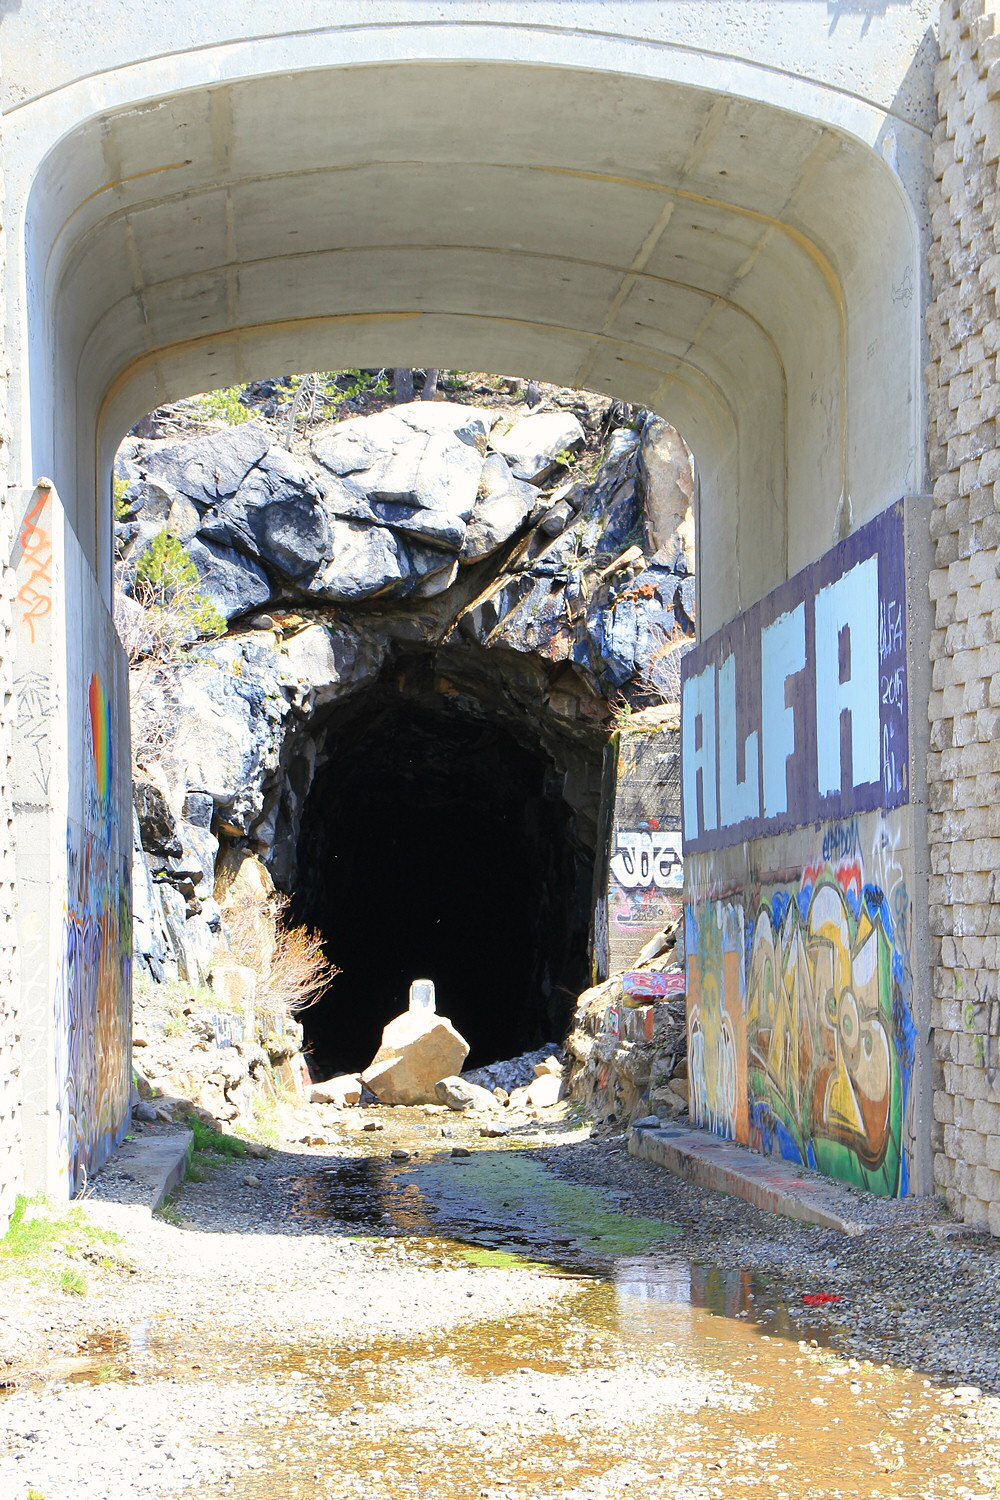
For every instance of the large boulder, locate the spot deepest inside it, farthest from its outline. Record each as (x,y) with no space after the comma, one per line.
(341,1091)
(418,1048)
(233,583)
(158,829)
(416,468)
(502,506)
(210,468)
(365,561)
(292,535)
(458,1093)
(533,446)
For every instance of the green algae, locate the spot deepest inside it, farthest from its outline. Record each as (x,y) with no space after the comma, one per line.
(517,1196)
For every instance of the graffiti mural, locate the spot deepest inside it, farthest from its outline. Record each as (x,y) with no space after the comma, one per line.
(93,996)
(830,1040)
(801,1037)
(643,882)
(717,1050)
(797,711)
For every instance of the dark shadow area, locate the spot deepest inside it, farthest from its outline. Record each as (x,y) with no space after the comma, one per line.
(435,846)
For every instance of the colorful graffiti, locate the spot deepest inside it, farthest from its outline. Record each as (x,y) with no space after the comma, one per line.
(716,1019)
(830,1041)
(35,593)
(800,1034)
(94,989)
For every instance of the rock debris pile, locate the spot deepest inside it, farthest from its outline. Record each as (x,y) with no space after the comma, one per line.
(628,1045)
(418,1063)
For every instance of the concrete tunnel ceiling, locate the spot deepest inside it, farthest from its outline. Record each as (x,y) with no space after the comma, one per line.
(742,270)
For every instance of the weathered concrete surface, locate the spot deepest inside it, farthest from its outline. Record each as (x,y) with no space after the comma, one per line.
(964,329)
(733,239)
(777,1186)
(148,1168)
(72,795)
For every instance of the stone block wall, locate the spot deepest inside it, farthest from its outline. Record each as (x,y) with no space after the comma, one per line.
(963,324)
(10,1045)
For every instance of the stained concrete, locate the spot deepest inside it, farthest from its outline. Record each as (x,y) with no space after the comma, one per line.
(768,1183)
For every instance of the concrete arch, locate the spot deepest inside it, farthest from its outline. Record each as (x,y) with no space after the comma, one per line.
(717,211)
(596,208)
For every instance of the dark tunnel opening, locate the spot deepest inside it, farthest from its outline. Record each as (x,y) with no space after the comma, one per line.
(435,846)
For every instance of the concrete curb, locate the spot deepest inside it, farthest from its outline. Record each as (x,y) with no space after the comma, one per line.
(765,1181)
(153,1166)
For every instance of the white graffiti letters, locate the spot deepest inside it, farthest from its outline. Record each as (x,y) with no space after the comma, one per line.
(644,859)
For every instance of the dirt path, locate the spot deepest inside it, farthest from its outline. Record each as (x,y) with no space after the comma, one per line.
(553,1321)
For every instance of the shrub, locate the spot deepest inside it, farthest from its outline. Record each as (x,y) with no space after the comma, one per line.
(292,968)
(172,607)
(225,404)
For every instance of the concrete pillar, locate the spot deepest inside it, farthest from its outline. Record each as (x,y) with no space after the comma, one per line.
(72,802)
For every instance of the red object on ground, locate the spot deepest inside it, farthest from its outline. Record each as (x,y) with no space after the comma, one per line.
(817,1299)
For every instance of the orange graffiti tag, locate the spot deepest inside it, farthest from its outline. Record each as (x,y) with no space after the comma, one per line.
(36,554)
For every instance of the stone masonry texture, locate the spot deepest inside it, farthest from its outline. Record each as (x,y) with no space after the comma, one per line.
(963,325)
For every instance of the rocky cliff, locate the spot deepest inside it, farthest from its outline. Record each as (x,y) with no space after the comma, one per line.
(532,567)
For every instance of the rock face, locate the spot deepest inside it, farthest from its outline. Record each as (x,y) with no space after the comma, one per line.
(418,1049)
(533,445)
(427,527)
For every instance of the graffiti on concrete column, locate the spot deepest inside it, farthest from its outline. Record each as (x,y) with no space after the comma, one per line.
(717,1050)
(830,1043)
(646,877)
(93,992)
(801,1038)
(35,593)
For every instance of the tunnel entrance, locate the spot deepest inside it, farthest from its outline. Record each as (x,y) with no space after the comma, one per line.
(434,845)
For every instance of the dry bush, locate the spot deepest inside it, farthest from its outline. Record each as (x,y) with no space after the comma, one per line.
(153,625)
(291,967)
(155,721)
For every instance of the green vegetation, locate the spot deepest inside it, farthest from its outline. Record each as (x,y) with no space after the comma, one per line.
(199,1167)
(167,581)
(40,1239)
(225,404)
(119,488)
(170,1213)
(500,1260)
(207,1138)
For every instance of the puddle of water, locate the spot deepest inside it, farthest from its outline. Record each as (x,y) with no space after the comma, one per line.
(107,1354)
(505,1209)
(615,1387)
(653,1375)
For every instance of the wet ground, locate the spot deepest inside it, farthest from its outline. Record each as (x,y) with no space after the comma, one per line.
(506,1322)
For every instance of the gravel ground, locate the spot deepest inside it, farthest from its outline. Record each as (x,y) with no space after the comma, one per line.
(329,1323)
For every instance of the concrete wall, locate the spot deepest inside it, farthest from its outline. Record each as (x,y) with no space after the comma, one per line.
(964,774)
(805,866)
(72,802)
